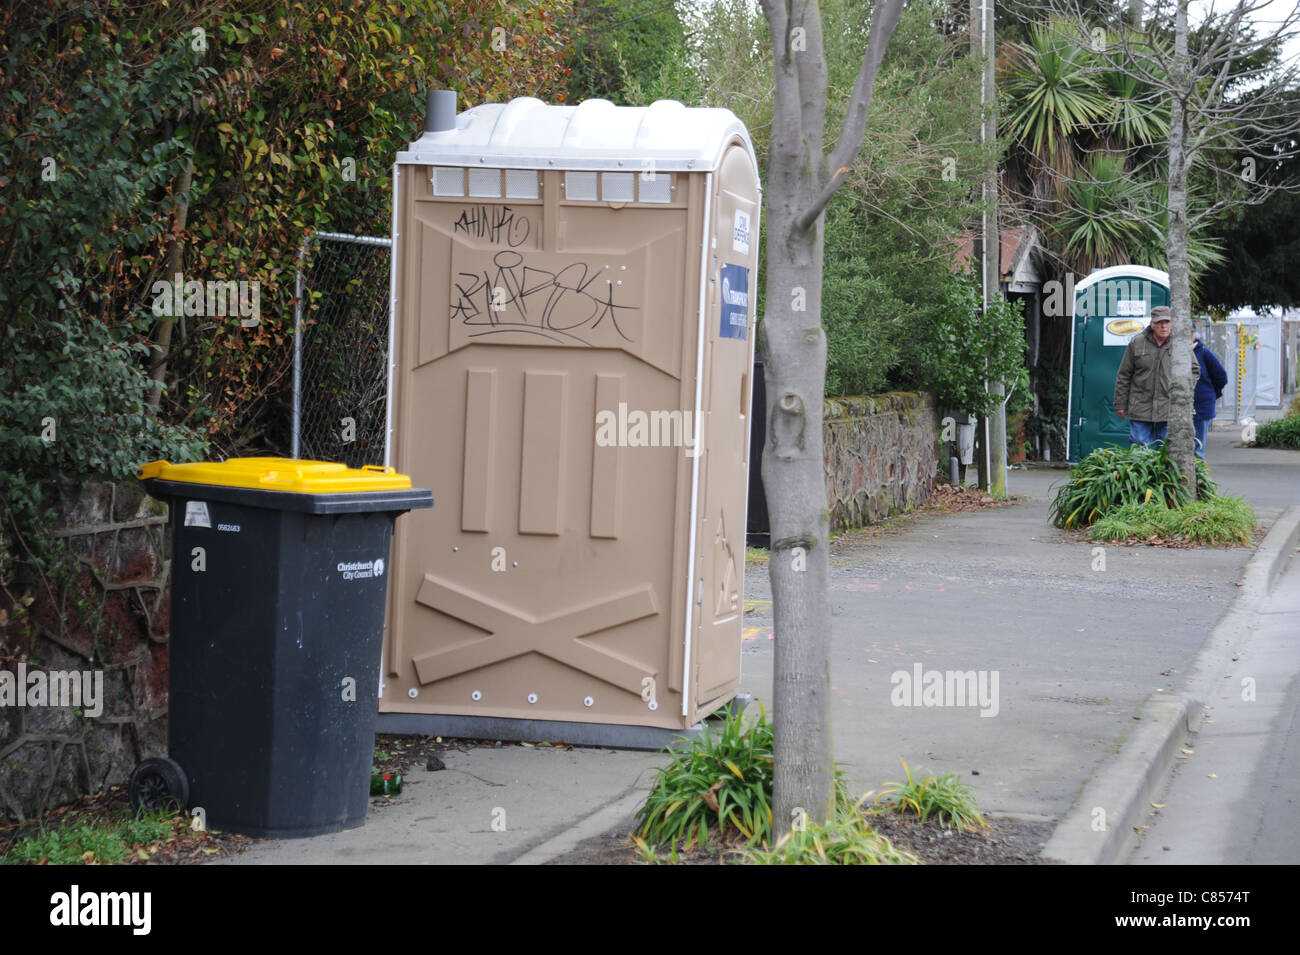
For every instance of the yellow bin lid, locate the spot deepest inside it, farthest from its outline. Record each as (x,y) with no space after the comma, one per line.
(280,474)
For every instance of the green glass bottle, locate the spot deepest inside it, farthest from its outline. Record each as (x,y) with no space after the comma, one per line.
(385,784)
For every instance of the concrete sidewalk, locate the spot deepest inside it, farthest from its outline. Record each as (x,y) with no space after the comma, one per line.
(1075,649)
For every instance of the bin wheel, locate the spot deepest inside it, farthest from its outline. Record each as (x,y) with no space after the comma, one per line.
(158,783)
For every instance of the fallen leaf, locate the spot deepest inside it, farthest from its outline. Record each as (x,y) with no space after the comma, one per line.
(711,797)
(1157,805)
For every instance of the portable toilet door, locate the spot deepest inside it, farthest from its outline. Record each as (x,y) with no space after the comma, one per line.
(1266,343)
(1111,305)
(572,348)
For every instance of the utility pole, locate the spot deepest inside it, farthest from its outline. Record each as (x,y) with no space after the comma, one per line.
(992,461)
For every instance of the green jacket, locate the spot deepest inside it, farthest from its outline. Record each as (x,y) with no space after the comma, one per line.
(1142,385)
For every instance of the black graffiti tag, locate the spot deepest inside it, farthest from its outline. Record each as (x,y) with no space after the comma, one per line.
(561,306)
(497,224)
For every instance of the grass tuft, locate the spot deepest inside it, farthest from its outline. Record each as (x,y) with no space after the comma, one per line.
(1282,433)
(1221,520)
(847,839)
(950,801)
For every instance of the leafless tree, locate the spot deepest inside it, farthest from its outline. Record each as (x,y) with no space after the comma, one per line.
(801,179)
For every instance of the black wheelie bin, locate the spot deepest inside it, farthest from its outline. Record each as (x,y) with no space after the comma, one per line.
(277,615)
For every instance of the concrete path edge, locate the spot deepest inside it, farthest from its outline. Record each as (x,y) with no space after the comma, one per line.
(1100,826)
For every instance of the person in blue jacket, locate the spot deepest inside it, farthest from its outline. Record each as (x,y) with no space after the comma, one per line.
(1209,388)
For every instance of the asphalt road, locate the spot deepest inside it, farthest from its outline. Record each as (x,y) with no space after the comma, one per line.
(1076,649)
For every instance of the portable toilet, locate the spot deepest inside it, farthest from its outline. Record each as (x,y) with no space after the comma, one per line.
(1110,306)
(571,354)
(1266,343)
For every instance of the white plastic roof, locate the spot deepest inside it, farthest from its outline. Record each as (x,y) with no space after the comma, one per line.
(528,134)
(1123,272)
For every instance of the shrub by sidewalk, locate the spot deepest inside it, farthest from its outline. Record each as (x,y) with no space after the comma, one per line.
(1282,433)
(1110,478)
(1221,520)
(1138,495)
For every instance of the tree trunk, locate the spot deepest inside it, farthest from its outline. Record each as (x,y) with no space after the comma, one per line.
(174,264)
(800,181)
(795,478)
(794,470)
(1182,447)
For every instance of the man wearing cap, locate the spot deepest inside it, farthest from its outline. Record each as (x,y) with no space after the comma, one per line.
(1142,385)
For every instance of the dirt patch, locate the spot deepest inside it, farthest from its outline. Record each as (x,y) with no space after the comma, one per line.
(1007,841)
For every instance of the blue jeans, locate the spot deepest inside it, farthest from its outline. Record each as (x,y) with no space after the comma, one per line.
(1202,426)
(1147,433)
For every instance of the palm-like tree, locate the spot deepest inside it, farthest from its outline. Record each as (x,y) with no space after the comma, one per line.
(1099,224)
(1055,99)
(1083,139)
(1134,117)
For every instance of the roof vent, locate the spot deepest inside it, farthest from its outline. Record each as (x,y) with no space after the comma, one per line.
(440,111)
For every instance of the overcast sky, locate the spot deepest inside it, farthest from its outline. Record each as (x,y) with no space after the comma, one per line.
(1266,19)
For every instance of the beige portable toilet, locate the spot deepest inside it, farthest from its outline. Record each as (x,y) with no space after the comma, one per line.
(573,317)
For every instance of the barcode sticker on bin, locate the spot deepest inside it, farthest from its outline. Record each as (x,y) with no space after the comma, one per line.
(196,514)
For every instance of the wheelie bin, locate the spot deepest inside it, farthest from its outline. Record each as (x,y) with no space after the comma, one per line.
(277,616)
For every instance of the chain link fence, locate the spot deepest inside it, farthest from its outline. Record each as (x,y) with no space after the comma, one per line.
(340,357)
(1233,343)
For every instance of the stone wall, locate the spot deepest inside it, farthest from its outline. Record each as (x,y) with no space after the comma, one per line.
(881,455)
(51,755)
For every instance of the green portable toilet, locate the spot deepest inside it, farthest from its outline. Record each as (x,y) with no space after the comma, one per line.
(1110,307)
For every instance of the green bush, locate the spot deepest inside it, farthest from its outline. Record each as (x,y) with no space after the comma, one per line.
(956,350)
(91,205)
(722,781)
(1282,433)
(1220,520)
(1112,477)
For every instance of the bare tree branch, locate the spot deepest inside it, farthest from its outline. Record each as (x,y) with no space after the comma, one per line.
(884,18)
